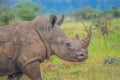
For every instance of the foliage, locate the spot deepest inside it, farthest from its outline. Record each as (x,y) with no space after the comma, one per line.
(5,17)
(114,11)
(5,13)
(89,13)
(24,10)
(27,10)
(85,13)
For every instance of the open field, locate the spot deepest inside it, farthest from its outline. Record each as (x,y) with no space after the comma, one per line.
(100,49)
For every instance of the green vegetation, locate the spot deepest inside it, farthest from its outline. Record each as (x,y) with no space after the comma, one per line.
(27,10)
(88,13)
(24,10)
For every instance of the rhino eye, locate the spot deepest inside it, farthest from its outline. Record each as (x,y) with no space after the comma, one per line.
(68,44)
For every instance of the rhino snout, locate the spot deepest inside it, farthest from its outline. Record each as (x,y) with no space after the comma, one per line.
(82,56)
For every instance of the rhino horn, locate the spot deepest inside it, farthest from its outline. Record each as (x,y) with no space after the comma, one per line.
(86,40)
(76,37)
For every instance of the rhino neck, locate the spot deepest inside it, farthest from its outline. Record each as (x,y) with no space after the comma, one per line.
(42,30)
(45,42)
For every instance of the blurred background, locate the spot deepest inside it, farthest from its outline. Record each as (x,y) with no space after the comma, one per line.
(16,10)
(104,50)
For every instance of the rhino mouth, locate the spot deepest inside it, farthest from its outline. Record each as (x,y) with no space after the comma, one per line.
(82,58)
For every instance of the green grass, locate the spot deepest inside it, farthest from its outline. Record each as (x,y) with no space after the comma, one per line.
(100,48)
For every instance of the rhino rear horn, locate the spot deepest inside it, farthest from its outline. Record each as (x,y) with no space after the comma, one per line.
(76,37)
(53,20)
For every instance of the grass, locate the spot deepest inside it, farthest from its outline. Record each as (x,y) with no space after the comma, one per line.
(100,48)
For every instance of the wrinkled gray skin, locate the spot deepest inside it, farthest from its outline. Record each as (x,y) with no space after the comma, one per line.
(26,44)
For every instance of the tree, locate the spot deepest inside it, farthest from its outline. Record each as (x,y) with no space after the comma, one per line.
(85,13)
(5,13)
(27,10)
(115,11)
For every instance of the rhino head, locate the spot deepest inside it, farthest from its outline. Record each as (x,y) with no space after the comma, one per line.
(70,49)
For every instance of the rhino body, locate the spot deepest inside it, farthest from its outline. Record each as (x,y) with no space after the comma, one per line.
(26,44)
(17,42)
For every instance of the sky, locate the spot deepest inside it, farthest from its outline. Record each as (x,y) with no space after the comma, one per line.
(72,5)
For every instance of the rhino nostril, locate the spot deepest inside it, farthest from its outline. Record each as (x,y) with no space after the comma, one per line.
(81,55)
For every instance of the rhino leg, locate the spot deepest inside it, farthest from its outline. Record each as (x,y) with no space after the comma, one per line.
(32,70)
(15,76)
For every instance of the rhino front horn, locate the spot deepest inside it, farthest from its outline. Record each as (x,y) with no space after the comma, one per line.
(87,39)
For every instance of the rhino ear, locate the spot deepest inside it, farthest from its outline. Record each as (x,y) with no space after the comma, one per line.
(53,19)
(60,21)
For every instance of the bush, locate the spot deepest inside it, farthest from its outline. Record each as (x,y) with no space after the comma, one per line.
(27,10)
